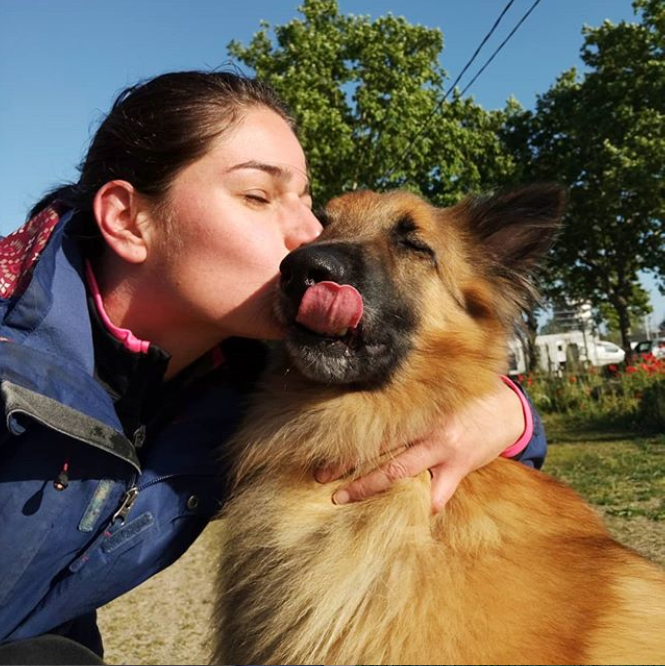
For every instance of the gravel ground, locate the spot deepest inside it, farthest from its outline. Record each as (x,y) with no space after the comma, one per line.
(165,620)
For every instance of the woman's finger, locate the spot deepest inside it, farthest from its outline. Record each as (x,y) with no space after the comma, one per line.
(411,462)
(445,481)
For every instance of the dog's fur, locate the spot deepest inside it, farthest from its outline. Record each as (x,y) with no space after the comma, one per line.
(517,569)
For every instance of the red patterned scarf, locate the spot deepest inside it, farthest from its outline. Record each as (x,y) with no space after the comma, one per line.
(20,250)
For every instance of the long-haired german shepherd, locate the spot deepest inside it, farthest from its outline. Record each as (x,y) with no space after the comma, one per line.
(398,314)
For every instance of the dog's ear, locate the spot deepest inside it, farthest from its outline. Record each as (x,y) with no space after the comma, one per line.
(509,233)
(515,228)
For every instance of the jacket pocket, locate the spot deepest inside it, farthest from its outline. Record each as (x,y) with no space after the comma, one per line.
(112,539)
(128,533)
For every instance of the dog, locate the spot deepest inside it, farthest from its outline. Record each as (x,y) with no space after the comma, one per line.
(398,314)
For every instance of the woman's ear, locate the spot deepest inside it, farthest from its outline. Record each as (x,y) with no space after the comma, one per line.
(119,213)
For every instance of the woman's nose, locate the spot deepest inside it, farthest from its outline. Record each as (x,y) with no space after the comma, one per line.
(304,228)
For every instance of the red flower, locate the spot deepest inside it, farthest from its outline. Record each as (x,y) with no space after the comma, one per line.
(631,369)
(612,368)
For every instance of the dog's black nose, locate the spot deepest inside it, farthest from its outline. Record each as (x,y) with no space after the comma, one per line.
(314,263)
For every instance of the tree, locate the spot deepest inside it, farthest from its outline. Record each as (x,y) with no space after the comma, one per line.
(639,306)
(368,97)
(603,135)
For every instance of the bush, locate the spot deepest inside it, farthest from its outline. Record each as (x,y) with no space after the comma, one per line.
(651,409)
(633,394)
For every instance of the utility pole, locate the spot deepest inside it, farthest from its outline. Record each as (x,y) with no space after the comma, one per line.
(647,326)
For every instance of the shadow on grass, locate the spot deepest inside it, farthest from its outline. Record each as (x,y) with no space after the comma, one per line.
(571,429)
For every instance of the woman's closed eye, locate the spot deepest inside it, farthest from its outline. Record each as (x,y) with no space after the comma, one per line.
(257,197)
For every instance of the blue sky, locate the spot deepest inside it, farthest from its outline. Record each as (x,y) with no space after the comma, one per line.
(63,61)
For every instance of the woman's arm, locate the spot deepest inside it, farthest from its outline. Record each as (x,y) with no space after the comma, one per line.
(502,423)
(531,447)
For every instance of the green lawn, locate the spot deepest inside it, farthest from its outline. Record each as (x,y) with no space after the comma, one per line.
(621,473)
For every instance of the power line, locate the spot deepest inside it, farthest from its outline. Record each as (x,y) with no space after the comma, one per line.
(475,54)
(503,43)
(439,105)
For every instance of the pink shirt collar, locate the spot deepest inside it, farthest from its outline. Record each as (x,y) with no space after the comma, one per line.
(124,335)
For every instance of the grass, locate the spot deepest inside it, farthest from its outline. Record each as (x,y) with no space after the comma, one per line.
(621,473)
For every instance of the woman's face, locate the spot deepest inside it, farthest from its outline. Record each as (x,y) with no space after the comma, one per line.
(233,214)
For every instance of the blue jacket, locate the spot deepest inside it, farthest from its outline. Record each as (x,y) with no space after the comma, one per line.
(64,553)
(131,508)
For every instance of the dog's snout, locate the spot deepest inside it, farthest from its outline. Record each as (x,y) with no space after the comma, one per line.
(311,264)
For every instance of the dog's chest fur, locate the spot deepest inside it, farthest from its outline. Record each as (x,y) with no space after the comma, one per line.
(384,581)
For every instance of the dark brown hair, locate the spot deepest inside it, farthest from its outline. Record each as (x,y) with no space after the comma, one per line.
(157,127)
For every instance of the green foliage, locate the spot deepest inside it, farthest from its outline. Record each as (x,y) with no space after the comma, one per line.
(631,396)
(603,135)
(368,98)
(651,409)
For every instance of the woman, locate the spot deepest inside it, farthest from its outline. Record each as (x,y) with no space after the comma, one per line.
(128,306)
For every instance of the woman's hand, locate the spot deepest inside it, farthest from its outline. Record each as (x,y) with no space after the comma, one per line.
(458,445)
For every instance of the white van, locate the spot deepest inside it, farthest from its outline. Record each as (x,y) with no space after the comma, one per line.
(558,350)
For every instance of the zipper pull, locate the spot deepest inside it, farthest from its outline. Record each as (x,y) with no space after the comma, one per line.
(139,437)
(127,503)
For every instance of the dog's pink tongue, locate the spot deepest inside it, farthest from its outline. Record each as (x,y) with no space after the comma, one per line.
(330,308)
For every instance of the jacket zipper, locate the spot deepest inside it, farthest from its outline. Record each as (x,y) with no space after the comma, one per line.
(129,498)
(126,503)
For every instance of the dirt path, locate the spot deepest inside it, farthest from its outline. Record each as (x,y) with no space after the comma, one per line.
(165,620)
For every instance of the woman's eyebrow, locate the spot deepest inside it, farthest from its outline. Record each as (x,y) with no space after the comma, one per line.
(278,172)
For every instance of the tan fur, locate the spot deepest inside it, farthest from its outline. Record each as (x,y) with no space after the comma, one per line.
(517,569)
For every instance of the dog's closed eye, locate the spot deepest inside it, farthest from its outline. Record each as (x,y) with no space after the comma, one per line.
(406,235)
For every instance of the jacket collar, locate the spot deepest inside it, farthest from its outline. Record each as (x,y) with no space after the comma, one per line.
(46,342)
(47,309)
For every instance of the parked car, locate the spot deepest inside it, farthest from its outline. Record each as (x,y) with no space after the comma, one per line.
(607,353)
(655,347)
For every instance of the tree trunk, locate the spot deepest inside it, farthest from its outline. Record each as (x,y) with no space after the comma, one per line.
(531,332)
(621,307)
